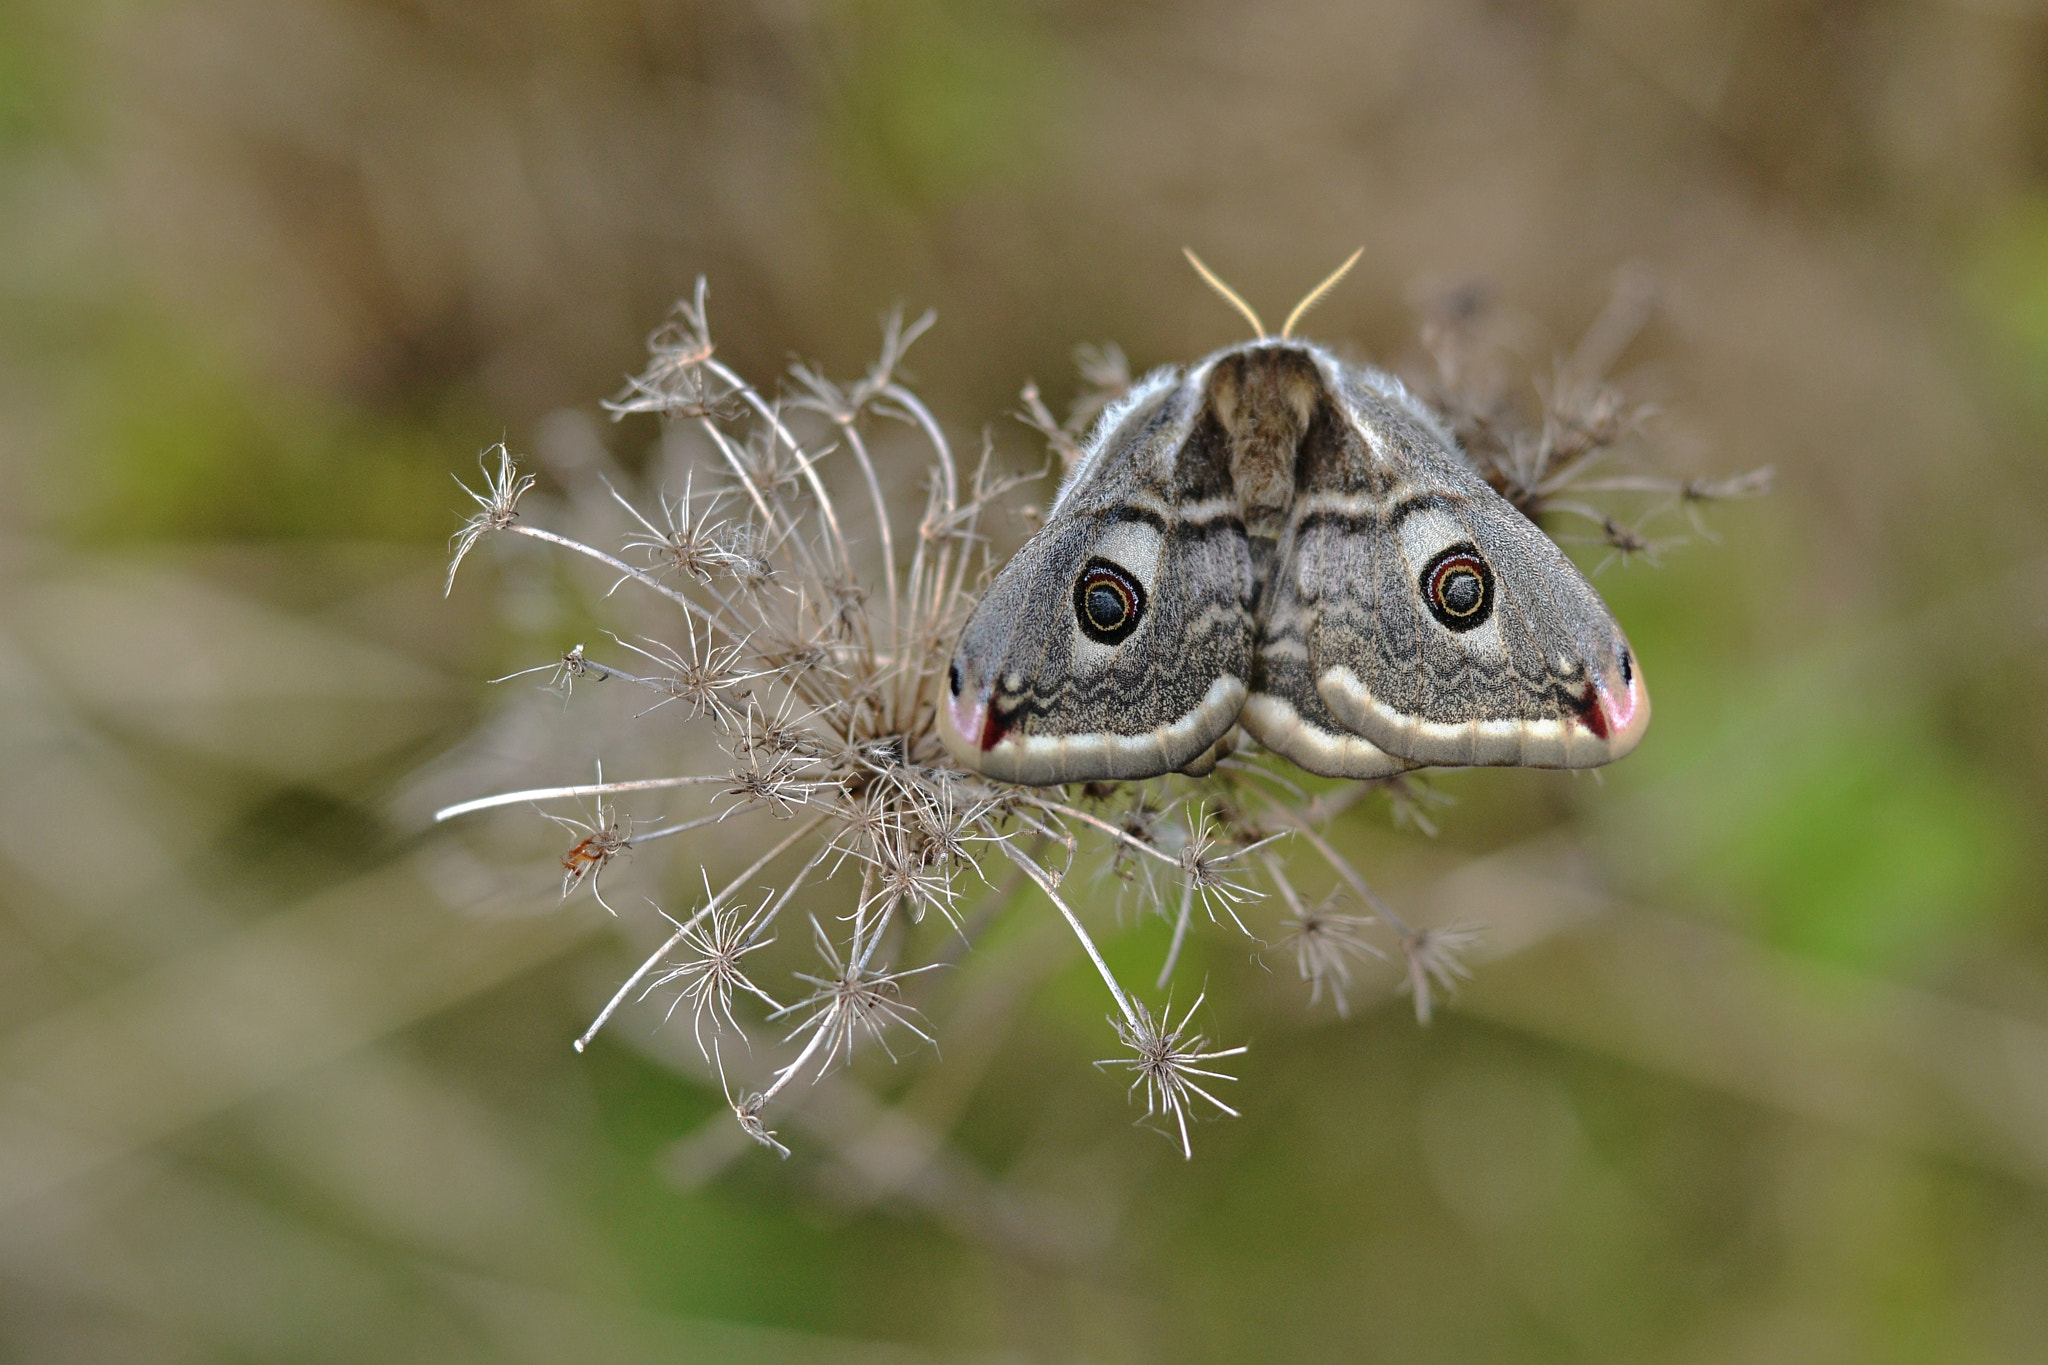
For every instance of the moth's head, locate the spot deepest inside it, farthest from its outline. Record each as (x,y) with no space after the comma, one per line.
(1614,700)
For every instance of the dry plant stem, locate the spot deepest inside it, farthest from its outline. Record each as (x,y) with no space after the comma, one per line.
(684,827)
(1327,806)
(867,472)
(796,450)
(770,522)
(1180,935)
(726,452)
(1134,844)
(560,793)
(1340,865)
(1271,778)
(860,955)
(644,579)
(1050,888)
(919,413)
(1277,874)
(788,1073)
(732,889)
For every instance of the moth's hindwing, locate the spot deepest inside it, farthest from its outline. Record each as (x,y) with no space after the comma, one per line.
(1116,644)
(1285,712)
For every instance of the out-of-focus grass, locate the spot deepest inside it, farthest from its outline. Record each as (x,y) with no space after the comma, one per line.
(179,442)
(931,102)
(1821,803)
(2005,281)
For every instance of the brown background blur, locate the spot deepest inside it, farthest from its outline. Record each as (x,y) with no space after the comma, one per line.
(278,1081)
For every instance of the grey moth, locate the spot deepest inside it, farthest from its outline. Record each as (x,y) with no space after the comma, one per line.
(1278,544)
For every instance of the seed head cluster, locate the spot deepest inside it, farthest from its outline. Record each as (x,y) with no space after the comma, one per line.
(811,608)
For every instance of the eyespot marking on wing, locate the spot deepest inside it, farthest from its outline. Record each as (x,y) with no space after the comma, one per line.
(1457,587)
(1109,601)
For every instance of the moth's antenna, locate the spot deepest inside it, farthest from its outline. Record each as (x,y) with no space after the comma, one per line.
(1230,295)
(1315,295)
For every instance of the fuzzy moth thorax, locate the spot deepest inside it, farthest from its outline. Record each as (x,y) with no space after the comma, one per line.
(1264,399)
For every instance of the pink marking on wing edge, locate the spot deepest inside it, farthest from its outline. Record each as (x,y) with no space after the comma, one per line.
(975,722)
(962,716)
(1618,716)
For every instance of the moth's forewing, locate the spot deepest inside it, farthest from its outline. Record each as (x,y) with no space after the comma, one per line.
(1116,644)
(1448,629)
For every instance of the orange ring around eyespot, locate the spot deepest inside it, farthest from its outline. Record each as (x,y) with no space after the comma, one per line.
(1466,564)
(1101,579)
(1099,573)
(1464,557)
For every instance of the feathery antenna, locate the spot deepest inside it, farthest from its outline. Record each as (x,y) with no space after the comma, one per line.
(1229,294)
(1315,295)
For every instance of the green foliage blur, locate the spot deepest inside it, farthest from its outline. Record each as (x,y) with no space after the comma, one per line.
(1756,1065)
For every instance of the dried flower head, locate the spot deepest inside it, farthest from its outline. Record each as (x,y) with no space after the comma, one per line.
(706,680)
(497,507)
(1432,959)
(748,1112)
(806,624)
(710,970)
(563,672)
(677,382)
(603,838)
(1326,944)
(687,542)
(1165,1064)
(851,999)
(1206,862)
(1410,800)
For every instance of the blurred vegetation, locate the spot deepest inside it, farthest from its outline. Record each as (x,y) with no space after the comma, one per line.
(1756,1067)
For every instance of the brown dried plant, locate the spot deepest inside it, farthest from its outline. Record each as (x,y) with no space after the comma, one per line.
(1546,447)
(822,684)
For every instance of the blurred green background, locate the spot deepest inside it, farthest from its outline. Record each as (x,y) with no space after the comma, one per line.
(1755,1063)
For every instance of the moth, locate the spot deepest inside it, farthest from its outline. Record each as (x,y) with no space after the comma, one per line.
(1276,543)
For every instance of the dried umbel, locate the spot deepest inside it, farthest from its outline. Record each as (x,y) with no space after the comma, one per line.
(822,684)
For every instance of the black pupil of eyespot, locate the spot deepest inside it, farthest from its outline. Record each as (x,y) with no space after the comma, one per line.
(1457,587)
(1461,591)
(1106,606)
(953,679)
(1108,602)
